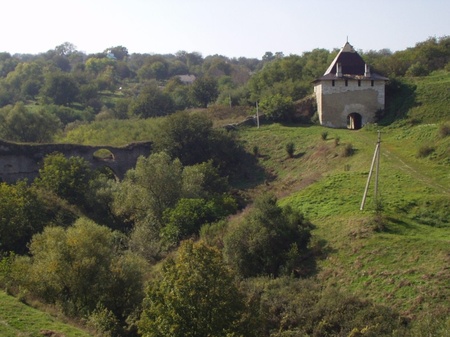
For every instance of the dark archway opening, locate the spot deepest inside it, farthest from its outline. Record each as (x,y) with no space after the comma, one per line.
(354,121)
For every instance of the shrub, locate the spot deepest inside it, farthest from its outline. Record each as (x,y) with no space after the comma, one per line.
(348,150)
(256,150)
(271,240)
(444,130)
(324,135)
(337,139)
(290,149)
(425,151)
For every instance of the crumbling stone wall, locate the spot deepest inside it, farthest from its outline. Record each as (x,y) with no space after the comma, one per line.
(22,161)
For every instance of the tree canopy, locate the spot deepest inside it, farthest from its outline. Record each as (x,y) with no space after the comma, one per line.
(196,296)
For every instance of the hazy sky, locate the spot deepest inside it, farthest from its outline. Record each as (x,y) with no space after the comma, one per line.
(231,28)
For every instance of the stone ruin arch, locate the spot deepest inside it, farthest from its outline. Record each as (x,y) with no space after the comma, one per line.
(22,161)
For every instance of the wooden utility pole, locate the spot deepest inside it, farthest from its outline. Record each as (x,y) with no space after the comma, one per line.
(375,159)
(257,114)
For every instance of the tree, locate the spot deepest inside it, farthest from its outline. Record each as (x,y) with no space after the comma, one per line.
(270,241)
(22,215)
(151,102)
(68,178)
(185,136)
(83,266)
(205,90)
(278,107)
(119,52)
(195,297)
(179,92)
(60,88)
(150,188)
(19,124)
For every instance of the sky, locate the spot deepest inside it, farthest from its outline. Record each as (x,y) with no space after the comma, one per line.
(232,28)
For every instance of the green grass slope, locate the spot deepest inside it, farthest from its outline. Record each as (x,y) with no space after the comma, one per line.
(402,258)
(404,265)
(18,319)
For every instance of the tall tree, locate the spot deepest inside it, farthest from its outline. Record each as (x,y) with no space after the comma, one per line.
(195,297)
(270,241)
(150,188)
(185,136)
(21,216)
(60,88)
(68,178)
(151,102)
(19,124)
(205,90)
(82,267)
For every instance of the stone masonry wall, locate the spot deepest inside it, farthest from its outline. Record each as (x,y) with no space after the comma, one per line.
(335,103)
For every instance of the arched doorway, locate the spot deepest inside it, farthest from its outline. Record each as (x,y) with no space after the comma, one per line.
(354,121)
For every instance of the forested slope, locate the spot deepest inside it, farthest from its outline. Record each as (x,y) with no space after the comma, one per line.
(274,211)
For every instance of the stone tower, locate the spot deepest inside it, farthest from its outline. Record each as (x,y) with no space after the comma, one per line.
(349,94)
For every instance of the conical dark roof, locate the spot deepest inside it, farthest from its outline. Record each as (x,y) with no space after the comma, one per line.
(351,62)
(352,66)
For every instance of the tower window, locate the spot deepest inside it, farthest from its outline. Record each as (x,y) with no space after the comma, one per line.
(332,83)
(346,83)
(359,83)
(371,83)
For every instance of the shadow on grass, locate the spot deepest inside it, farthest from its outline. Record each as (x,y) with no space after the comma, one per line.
(397,226)
(400,98)
(298,155)
(249,173)
(319,251)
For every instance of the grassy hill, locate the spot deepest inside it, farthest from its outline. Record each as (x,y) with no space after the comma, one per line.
(18,319)
(399,257)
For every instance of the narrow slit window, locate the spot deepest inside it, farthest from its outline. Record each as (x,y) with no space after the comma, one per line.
(332,83)
(371,83)
(359,83)
(346,83)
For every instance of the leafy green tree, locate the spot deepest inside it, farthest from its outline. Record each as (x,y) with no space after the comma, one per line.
(66,114)
(196,296)
(284,76)
(190,214)
(30,88)
(278,107)
(151,102)
(119,52)
(179,92)
(68,178)
(150,188)
(19,124)
(97,65)
(270,241)
(60,88)
(16,80)
(191,138)
(185,136)
(204,91)
(22,215)
(203,181)
(83,266)
(176,67)
(7,63)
